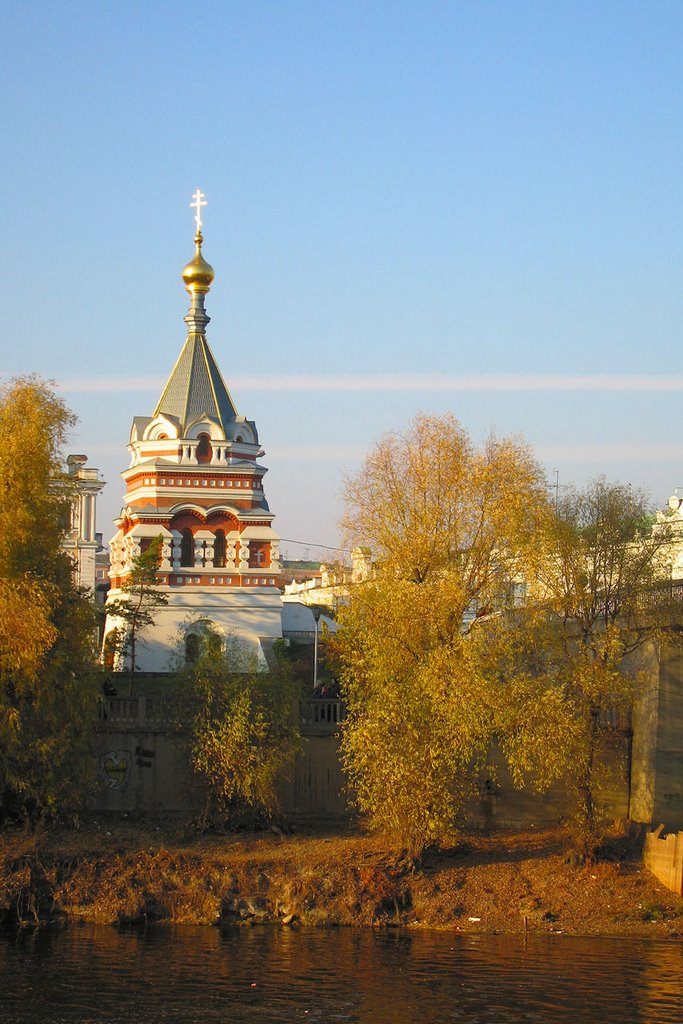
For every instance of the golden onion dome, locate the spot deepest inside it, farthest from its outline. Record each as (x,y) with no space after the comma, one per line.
(198,274)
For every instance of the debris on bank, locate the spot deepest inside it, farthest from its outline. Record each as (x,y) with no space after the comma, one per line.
(131,875)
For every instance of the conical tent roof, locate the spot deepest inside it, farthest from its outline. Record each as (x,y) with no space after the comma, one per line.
(196,387)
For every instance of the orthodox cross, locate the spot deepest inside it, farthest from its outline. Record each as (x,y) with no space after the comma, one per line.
(199,201)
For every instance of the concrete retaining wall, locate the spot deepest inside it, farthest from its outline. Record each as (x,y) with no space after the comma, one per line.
(143,768)
(143,761)
(145,771)
(663,856)
(657,769)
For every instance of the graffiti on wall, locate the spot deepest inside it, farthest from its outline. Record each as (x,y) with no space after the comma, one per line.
(115,769)
(144,757)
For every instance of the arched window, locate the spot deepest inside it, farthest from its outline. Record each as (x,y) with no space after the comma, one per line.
(219,549)
(192,646)
(187,548)
(213,645)
(204,643)
(204,449)
(112,646)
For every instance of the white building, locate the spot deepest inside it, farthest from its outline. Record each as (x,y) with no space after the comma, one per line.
(329,588)
(81,542)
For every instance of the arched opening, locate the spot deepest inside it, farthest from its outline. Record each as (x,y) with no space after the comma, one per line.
(203,642)
(204,449)
(187,548)
(219,548)
(213,644)
(193,644)
(111,648)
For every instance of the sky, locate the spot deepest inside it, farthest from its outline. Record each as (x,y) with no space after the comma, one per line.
(474,207)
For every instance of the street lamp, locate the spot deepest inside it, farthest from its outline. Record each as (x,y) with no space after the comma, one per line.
(317,612)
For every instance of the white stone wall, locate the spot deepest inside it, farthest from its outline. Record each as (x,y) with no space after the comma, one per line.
(249,614)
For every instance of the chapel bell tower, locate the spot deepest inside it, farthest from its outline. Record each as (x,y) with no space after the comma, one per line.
(195,479)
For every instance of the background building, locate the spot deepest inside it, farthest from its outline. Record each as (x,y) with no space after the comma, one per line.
(82,542)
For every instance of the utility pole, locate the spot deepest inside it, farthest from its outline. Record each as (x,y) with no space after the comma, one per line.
(316,615)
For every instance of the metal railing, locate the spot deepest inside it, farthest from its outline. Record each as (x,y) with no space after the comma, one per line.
(661,594)
(318,715)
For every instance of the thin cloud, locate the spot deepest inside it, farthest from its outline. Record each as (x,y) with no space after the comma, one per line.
(512,382)
(109,385)
(316,453)
(617,451)
(466,382)
(557,453)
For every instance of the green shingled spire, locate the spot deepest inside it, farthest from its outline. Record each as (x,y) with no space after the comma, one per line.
(195,387)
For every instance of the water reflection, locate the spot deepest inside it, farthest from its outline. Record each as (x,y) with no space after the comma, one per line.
(102,976)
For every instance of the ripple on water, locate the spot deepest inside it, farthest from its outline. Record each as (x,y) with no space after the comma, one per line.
(103,976)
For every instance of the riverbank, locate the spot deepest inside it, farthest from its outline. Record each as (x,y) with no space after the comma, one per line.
(113,873)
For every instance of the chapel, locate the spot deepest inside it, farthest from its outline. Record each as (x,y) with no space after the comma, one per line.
(195,479)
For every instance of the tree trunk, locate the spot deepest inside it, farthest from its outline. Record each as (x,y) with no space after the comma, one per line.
(131,678)
(587,806)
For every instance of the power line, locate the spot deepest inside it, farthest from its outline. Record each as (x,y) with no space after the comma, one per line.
(311,544)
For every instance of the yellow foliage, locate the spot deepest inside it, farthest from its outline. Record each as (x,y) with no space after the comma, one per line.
(439,656)
(47,688)
(243,736)
(452,527)
(26,631)
(427,499)
(34,424)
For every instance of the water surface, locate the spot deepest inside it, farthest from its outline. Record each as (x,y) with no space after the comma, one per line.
(103,976)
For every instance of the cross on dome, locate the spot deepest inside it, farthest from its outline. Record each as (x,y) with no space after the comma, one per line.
(199,201)
(198,274)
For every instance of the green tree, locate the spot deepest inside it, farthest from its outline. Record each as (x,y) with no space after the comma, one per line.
(135,610)
(243,734)
(452,527)
(571,656)
(47,685)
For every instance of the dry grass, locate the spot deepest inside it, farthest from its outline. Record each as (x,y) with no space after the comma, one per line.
(114,872)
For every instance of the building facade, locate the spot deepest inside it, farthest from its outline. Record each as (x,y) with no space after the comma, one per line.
(329,587)
(81,542)
(196,481)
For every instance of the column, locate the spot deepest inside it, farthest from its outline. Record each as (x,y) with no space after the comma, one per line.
(93,499)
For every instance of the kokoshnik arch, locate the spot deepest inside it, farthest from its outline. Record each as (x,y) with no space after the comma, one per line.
(194,478)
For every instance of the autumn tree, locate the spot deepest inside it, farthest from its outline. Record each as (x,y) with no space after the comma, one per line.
(453,528)
(134,611)
(243,736)
(572,664)
(47,688)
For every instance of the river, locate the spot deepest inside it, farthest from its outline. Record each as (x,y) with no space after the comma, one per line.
(95,975)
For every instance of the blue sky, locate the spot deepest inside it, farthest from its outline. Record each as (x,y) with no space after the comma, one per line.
(474,207)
